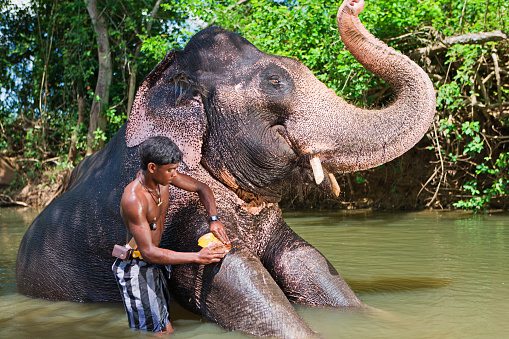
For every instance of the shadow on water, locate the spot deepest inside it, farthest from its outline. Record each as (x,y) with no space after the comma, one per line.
(396,284)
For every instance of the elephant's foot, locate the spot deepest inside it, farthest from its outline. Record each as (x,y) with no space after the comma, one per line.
(305,275)
(239,295)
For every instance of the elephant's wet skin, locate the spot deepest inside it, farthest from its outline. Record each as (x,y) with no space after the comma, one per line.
(242,297)
(304,274)
(66,252)
(246,122)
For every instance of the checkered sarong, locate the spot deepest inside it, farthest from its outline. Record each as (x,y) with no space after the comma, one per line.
(145,293)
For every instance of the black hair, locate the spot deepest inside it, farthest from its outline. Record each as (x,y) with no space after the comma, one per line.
(159,150)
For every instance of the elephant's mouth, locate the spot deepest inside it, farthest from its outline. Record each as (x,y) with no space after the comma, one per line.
(310,166)
(312,171)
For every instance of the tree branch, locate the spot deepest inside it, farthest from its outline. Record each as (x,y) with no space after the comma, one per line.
(442,167)
(499,86)
(465,39)
(482,106)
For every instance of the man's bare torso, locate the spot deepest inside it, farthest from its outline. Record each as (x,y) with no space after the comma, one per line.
(154,212)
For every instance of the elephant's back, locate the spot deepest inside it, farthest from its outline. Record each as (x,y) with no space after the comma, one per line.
(75,232)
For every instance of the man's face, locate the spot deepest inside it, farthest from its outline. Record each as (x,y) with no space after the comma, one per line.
(164,174)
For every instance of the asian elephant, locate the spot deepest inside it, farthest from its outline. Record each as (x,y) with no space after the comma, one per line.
(245,121)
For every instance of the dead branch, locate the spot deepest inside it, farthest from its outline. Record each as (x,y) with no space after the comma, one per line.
(442,174)
(463,12)
(481,83)
(499,137)
(6,200)
(465,39)
(482,106)
(497,76)
(427,182)
(473,95)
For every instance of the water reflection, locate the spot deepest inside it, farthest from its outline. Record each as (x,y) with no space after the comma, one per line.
(435,275)
(396,284)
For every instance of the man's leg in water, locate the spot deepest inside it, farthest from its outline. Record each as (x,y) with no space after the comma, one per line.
(168,329)
(145,294)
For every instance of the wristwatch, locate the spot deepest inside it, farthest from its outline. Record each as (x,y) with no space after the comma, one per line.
(213,218)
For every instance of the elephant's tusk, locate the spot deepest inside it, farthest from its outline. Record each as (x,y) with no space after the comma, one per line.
(316,165)
(335,186)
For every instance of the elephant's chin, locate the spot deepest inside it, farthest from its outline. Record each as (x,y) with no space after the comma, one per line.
(300,175)
(272,198)
(259,198)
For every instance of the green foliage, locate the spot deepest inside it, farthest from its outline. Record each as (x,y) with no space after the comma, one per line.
(304,30)
(49,69)
(463,128)
(499,172)
(449,96)
(359,179)
(155,47)
(447,126)
(475,145)
(49,61)
(99,135)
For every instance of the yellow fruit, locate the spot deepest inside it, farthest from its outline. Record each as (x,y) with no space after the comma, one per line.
(210,239)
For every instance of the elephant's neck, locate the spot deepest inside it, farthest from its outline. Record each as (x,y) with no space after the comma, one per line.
(252,202)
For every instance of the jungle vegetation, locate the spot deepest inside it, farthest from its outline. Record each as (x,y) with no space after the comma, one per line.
(69,71)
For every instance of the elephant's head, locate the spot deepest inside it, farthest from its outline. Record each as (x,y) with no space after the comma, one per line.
(253,119)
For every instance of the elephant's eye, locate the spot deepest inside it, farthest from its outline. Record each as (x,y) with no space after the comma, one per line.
(274,79)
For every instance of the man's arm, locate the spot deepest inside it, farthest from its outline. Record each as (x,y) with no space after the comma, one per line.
(135,216)
(206,195)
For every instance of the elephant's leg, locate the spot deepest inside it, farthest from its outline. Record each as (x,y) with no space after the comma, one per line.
(304,274)
(239,295)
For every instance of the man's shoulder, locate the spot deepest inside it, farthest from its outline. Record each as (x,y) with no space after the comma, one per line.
(132,195)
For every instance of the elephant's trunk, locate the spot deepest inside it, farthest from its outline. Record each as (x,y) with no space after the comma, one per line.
(352,139)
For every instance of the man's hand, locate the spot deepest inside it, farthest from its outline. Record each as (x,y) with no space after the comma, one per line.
(219,231)
(210,254)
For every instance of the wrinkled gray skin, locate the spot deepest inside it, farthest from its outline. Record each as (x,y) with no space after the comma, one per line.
(246,123)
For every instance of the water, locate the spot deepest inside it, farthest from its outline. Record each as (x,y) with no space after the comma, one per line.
(435,275)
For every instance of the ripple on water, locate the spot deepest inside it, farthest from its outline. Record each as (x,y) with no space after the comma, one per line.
(434,275)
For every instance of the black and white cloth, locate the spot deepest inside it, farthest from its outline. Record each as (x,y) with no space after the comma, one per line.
(144,290)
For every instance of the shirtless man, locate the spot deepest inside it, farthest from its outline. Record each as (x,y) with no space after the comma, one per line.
(141,278)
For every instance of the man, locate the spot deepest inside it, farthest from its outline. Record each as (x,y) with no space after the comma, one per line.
(143,208)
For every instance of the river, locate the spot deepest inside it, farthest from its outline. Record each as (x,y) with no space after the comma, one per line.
(434,274)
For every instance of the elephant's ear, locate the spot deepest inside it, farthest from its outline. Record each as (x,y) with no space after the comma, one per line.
(169,103)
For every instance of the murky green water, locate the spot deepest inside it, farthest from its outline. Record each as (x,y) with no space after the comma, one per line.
(436,275)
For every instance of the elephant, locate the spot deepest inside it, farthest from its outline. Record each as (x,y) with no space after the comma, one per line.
(246,123)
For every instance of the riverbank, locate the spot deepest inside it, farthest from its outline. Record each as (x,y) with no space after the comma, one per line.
(409,182)
(412,181)
(32,188)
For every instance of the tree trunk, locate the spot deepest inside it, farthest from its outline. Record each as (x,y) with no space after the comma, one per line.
(102,88)
(134,67)
(73,150)
(132,79)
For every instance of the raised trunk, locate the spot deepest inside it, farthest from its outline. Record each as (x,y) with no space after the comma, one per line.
(353,139)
